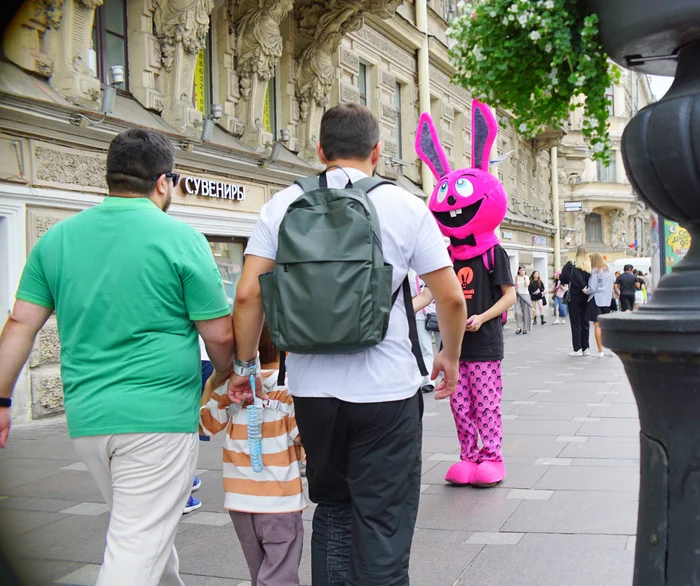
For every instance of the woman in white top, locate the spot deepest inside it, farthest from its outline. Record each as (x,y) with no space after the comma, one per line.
(600,292)
(523,306)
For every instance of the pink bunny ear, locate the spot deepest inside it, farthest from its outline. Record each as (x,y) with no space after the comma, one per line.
(429,148)
(484,131)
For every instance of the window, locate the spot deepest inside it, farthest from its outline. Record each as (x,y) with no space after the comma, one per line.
(270,111)
(610,95)
(228,255)
(201,95)
(398,135)
(109,41)
(363,85)
(607,174)
(594,228)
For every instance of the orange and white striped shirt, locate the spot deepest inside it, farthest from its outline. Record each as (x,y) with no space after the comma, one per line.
(278,488)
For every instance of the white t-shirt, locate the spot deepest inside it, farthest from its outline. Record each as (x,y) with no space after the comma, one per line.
(410,238)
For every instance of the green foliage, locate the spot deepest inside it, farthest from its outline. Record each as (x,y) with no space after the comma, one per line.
(539,59)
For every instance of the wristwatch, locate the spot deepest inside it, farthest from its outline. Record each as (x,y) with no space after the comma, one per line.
(5,402)
(242,368)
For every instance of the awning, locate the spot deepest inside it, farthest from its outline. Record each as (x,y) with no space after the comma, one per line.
(411,187)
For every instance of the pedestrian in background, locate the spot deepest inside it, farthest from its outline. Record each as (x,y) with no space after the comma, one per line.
(599,291)
(537,288)
(576,274)
(131,287)
(558,291)
(639,294)
(626,286)
(523,304)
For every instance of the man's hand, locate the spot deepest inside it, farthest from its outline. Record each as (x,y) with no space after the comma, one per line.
(474,323)
(451,375)
(239,389)
(5,423)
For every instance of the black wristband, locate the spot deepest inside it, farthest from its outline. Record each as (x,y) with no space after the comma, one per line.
(5,402)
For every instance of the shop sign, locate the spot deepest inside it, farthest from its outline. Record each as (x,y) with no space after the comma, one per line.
(539,240)
(506,235)
(211,188)
(573,206)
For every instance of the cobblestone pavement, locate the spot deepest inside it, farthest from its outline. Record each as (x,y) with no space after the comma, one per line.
(565,515)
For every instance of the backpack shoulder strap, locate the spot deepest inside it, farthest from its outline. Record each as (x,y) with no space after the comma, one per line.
(308,183)
(369,183)
(412,326)
(489,258)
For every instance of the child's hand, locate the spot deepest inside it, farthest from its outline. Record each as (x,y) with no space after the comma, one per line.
(239,389)
(474,323)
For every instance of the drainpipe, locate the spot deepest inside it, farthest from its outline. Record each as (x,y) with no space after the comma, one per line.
(555,207)
(428,182)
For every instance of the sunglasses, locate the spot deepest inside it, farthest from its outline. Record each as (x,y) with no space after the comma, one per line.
(174,176)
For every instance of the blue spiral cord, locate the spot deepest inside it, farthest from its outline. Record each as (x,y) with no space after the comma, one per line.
(255,418)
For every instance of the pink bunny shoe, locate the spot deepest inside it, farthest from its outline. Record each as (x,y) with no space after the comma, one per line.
(461,473)
(489,473)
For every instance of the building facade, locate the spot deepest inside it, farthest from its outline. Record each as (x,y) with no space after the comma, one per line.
(273,67)
(598,207)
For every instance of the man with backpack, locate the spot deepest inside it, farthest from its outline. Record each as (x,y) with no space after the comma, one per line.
(332,255)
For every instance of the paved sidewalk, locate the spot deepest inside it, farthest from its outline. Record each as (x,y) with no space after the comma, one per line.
(565,516)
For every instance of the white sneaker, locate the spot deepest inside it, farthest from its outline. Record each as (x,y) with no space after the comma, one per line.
(600,354)
(563,321)
(576,353)
(556,322)
(586,352)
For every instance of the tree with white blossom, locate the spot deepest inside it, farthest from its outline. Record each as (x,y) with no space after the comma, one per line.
(540,59)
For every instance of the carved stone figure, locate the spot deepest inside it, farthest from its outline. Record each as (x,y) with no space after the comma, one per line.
(181,21)
(618,220)
(53,9)
(316,70)
(260,43)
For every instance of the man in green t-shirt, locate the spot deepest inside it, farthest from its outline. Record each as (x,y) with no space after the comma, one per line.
(131,287)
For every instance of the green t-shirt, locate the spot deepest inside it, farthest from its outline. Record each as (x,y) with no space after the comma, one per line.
(127,281)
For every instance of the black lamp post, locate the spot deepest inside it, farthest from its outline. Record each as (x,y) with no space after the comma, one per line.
(660,344)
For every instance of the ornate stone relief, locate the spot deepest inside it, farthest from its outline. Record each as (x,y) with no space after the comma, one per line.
(322,26)
(23,41)
(618,224)
(181,27)
(70,42)
(259,46)
(60,166)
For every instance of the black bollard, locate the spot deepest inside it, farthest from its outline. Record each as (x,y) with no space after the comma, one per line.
(660,344)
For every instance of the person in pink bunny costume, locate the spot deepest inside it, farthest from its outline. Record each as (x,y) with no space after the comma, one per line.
(468,205)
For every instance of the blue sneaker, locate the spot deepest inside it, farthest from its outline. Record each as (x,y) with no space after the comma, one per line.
(197,483)
(192,505)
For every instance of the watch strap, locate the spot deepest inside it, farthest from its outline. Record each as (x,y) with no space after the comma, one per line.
(5,402)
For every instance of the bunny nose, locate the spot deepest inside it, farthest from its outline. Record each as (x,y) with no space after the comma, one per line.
(452,200)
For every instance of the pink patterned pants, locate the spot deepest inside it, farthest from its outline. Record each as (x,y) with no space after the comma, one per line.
(476,406)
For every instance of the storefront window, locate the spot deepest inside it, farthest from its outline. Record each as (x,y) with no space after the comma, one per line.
(228,254)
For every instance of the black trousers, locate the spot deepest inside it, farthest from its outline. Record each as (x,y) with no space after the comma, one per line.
(364,470)
(626,302)
(580,328)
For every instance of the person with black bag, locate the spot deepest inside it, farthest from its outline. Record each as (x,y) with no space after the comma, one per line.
(576,274)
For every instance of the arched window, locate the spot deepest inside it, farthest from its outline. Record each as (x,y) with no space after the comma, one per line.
(594,228)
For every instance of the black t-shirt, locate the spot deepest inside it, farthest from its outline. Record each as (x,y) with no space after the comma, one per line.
(627,282)
(481,290)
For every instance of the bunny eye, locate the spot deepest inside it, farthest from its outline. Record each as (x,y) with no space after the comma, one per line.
(442,192)
(464,187)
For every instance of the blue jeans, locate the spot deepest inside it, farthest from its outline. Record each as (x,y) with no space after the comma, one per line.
(207,370)
(558,305)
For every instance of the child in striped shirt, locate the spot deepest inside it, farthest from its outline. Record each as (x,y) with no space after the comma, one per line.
(265,507)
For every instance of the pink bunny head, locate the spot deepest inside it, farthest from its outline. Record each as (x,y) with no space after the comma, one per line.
(468,204)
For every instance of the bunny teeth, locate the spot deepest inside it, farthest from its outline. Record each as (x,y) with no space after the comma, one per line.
(455,213)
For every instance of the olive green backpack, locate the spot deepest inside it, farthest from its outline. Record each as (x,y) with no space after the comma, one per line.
(331,291)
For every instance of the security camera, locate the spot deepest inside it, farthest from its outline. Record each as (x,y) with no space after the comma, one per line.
(117,72)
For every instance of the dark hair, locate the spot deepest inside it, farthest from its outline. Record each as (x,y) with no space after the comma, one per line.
(635,272)
(135,157)
(628,268)
(349,131)
(539,277)
(268,351)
